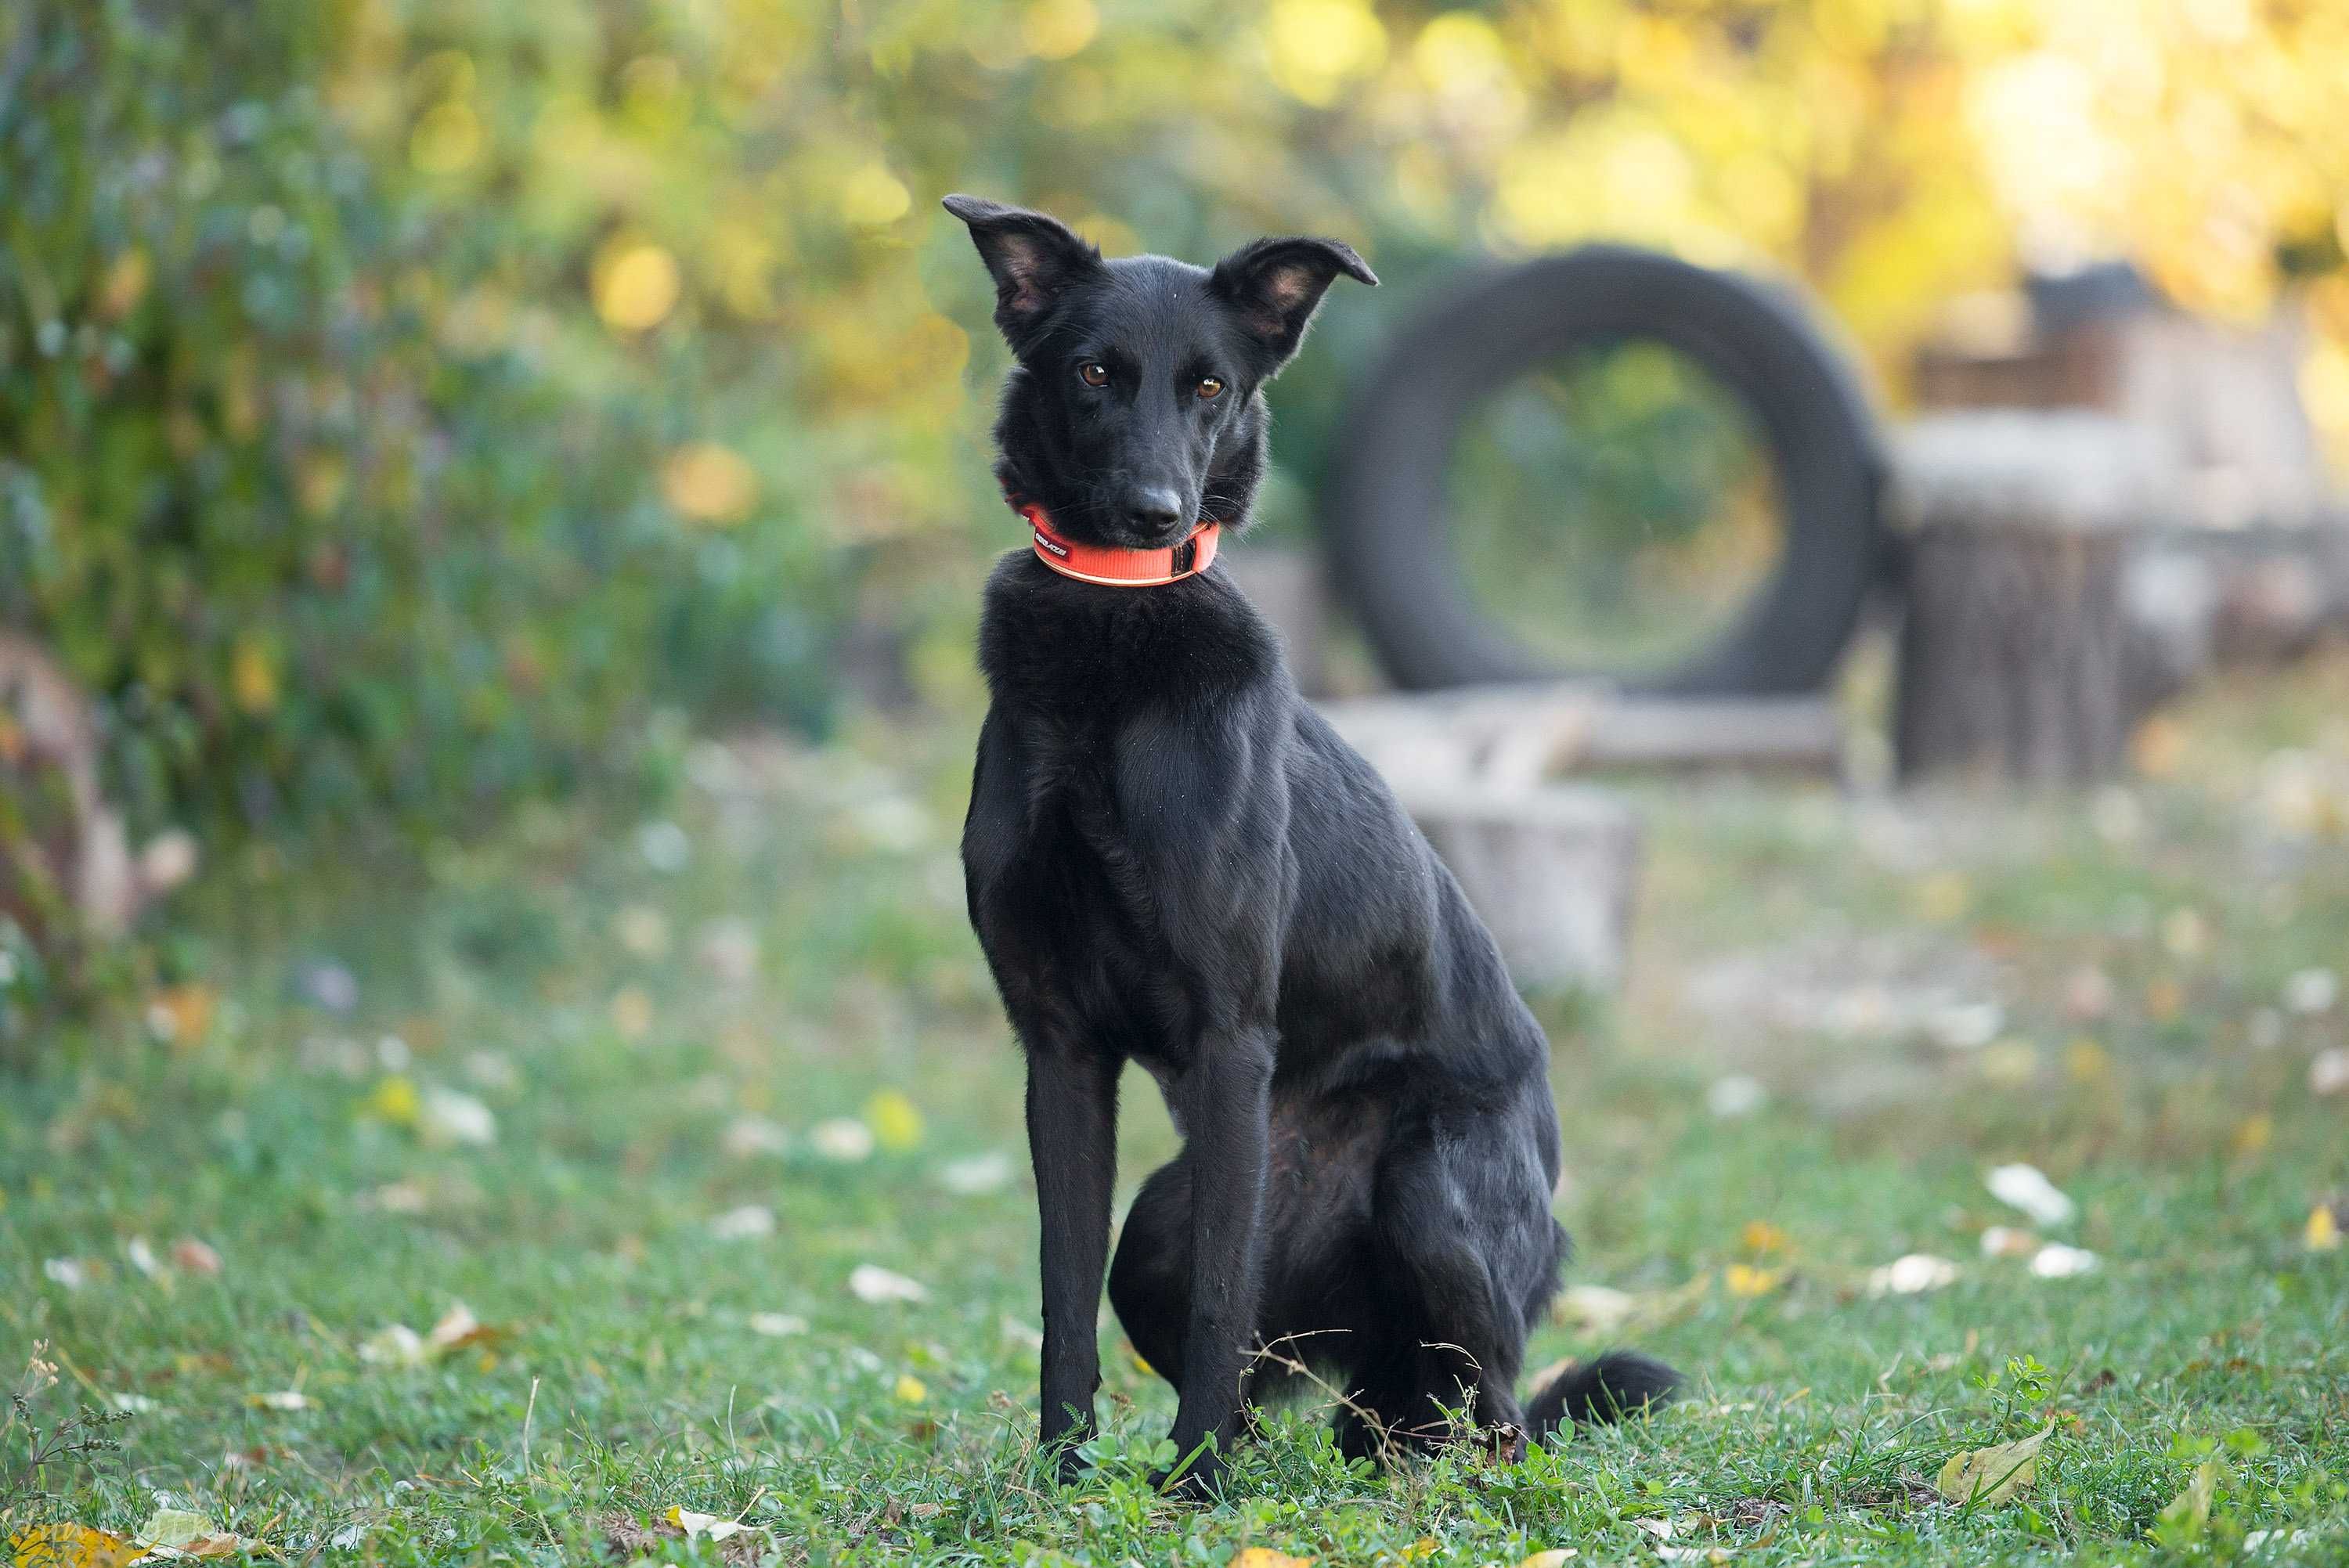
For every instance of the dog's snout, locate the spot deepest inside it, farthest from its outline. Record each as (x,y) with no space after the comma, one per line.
(1153,508)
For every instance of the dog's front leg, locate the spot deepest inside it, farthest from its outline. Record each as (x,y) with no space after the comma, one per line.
(1226,1102)
(1072,1138)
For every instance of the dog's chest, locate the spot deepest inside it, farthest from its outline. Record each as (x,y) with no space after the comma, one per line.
(1062,907)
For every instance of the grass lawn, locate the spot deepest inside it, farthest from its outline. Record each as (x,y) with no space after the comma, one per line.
(710,1124)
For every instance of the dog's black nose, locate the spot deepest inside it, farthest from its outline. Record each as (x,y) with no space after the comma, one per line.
(1153,510)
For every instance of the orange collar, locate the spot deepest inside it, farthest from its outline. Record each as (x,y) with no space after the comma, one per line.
(1114,566)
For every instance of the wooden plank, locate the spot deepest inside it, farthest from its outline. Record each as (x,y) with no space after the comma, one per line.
(1517,735)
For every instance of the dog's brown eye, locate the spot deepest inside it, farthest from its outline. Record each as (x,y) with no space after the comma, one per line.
(1093,373)
(1210,388)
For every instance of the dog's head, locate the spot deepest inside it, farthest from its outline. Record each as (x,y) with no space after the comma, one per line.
(1136,408)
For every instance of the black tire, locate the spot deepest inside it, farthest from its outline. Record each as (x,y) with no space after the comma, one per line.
(1383,510)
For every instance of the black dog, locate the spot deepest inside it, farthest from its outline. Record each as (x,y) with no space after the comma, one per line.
(1173,860)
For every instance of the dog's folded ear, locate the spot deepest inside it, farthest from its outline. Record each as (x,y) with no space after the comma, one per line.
(1032,258)
(1276,285)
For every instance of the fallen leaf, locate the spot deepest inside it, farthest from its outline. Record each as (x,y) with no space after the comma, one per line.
(181,1016)
(749,1137)
(1265,1557)
(2191,1507)
(457,1328)
(2323,1233)
(871,1283)
(2007,1241)
(182,1534)
(394,1100)
(450,1117)
(1734,1095)
(394,1345)
(1912,1276)
(1553,1558)
(2086,1062)
(748,1222)
(281,1399)
(2026,1187)
(843,1138)
(70,1546)
(896,1121)
(194,1256)
(1596,1308)
(707,1526)
(977,1174)
(2056,1261)
(1992,1475)
(2253,1134)
(2328,1074)
(2312,991)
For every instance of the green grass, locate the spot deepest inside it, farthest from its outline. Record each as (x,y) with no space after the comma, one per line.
(622,1370)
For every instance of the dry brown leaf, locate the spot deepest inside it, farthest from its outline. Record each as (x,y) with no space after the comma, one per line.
(1992,1475)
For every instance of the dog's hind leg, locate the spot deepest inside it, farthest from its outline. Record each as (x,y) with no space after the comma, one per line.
(1461,1233)
(1150,1278)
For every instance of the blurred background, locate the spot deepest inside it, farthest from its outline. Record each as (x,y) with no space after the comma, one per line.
(492,504)
(405,405)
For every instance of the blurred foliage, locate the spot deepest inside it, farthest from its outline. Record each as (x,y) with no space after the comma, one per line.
(395,395)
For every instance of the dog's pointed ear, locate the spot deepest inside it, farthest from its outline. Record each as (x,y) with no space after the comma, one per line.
(1032,258)
(1276,285)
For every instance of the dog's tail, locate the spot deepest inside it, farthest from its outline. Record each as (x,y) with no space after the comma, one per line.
(1604,1389)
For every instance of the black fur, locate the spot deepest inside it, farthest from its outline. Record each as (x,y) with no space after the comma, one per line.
(1172,859)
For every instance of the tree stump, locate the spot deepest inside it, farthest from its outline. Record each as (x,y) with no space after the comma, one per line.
(65,869)
(1551,871)
(2018,656)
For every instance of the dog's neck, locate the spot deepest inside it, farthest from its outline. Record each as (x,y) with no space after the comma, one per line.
(1116,566)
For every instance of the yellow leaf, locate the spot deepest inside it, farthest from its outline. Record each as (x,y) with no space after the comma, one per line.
(1745,1279)
(910,1390)
(2192,1506)
(2086,1061)
(181,1016)
(1265,1557)
(1553,1558)
(70,1546)
(2253,1133)
(394,1100)
(1993,1474)
(896,1121)
(705,1526)
(2324,1233)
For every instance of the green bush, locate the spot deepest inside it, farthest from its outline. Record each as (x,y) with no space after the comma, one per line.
(326,520)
